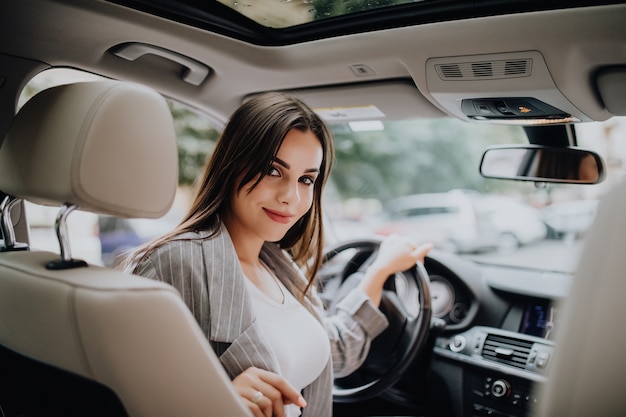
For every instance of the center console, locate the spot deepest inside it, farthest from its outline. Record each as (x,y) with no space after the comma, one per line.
(497,395)
(501,367)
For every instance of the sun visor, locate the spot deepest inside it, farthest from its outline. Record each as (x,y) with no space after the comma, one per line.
(611,84)
(386,100)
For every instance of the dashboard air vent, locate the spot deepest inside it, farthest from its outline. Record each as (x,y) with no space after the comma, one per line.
(484,70)
(507,350)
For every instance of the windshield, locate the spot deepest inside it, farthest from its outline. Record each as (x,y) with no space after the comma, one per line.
(420,178)
(417,177)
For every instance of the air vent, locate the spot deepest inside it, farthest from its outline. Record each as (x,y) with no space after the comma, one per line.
(450,71)
(516,68)
(484,70)
(513,352)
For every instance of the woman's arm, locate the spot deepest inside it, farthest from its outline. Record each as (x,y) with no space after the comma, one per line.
(357,319)
(396,254)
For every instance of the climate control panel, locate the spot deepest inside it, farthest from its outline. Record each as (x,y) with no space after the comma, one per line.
(499,395)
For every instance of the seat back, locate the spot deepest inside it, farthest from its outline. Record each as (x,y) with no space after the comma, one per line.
(588,365)
(74,334)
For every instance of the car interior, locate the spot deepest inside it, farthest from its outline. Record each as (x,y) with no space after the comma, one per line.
(470,335)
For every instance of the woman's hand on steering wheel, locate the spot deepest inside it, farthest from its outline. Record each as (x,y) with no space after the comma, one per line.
(396,253)
(394,351)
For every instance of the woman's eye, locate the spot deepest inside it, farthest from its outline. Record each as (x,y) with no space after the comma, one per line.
(307,180)
(273,172)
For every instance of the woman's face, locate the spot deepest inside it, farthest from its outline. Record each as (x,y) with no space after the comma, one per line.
(284,195)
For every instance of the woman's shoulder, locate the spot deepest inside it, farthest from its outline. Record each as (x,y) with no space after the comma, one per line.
(178,247)
(186,241)
(189,254)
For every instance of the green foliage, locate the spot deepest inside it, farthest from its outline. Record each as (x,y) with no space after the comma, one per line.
(328,8)
(411,157)
(196,140)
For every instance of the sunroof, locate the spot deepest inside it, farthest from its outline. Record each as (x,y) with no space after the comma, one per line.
(281,14)
(284,22)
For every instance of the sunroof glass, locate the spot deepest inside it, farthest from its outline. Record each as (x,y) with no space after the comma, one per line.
(287,13)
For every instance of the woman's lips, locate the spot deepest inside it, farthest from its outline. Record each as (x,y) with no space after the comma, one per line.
(278,216)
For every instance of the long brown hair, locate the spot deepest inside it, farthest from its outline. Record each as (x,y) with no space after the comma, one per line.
(245,150)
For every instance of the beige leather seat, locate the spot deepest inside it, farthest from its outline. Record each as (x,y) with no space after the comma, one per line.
(589,363)
(79,339)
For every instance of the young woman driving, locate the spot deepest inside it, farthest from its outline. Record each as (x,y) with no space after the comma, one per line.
(245,257)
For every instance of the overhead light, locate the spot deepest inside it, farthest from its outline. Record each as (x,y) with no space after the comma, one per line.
(366,126)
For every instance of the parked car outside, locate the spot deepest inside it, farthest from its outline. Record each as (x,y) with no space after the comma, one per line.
(465,221)
(517,222)
(569,219)
(450,220)
(119,235)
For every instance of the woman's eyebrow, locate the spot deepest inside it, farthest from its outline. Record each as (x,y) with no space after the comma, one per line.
(286,165)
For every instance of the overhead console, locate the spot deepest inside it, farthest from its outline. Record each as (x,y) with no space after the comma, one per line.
(503,109)
(504,88)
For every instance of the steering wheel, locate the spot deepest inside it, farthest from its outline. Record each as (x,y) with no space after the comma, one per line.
(405,302)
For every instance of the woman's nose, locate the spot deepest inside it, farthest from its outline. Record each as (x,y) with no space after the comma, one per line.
(289,192)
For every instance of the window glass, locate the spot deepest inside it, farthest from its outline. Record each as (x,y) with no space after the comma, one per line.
(402,179)
(286,13)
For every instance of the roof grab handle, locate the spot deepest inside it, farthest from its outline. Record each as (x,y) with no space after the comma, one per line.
(194,72)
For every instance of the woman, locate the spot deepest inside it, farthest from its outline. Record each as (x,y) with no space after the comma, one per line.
(245,256)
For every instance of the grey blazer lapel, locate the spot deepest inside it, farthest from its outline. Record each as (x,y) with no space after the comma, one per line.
(230,307)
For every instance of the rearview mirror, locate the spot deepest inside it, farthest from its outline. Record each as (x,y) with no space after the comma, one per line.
(541,163)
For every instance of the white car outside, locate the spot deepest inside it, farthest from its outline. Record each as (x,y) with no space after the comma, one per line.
(517,222)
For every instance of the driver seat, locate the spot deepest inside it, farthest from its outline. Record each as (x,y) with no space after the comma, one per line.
(79,339)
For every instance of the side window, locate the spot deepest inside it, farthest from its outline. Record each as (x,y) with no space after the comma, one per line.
(102,239)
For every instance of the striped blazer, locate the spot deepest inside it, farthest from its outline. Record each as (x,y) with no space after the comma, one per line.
(205,269)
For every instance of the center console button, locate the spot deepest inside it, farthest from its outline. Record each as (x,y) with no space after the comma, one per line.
(500,389)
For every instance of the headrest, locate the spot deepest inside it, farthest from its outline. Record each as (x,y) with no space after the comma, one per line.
(108,147)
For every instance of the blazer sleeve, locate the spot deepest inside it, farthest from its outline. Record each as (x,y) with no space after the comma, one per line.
(355,322)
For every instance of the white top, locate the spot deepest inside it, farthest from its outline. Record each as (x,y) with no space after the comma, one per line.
(299,341)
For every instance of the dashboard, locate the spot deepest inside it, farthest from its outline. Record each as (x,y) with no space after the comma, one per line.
(539,319)
(492,334)
(498,341)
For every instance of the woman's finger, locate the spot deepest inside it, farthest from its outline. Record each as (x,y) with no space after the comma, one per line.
(281,393)
(266,393)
